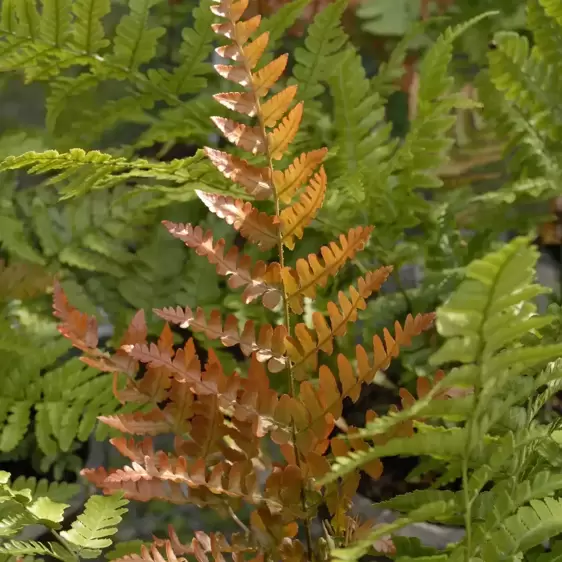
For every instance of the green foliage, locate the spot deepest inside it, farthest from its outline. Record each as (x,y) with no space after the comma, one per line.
(92,530)
(22,507)
(315,62)
(484,324)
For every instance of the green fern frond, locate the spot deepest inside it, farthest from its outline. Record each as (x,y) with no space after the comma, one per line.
(496,288)
(56,491)
(190,75)
(445,445)
(357,112)
(283,19)
(135,40)
(359,548)
(85,171)
(34,548)
(88,33)
(529,527)
(426,145)
(315,61)
(385,81)
(91,532)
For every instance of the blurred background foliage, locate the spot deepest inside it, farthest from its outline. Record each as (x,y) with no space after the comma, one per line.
(438,176)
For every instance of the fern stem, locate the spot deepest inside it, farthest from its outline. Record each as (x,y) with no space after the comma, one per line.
(286,311)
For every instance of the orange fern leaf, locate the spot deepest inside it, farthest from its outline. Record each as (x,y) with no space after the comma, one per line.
(303,348)
(243,102)
(259,279)
(265,78)
(315,410)
(201,546)
(281,137)
(310,273)
(294,219)
(274,108)
(257,227)
(288,182)
(254,180)
(268,346)
(245,137)
(79,328)
(176,480)
(230,9)
(139,423)
(383,353)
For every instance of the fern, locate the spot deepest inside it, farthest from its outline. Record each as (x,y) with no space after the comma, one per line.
(90,533)
(221,421)
(315,62)
(87,536)
(487,345)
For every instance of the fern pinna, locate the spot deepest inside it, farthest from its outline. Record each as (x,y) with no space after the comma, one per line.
(225,423)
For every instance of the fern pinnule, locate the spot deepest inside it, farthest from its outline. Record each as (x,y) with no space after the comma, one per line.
(295,218)
(302,281)
(202,546)
(303,348)
(253,179)
(256,226)
(269,346)
(260,280)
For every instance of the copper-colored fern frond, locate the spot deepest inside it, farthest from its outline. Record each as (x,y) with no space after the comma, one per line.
(177,480)
(284,134)
(303,348)
(256,226)
(172,478)
(289,181)
(258,279)
(139,423)
(315,410)
(251,178)
(269,345)
(310,273)
(78,327)
(201,547)
(295,218)
(383,353)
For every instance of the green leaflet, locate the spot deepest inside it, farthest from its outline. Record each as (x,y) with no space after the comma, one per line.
(530,526)
(190,75)
(361,145)
(283,18)
(446,445)
(88,33)
(55,21)
(83,171)
(135,40)
(91,532)
(315,61)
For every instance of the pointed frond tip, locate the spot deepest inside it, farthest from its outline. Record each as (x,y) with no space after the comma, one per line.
(260,280)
